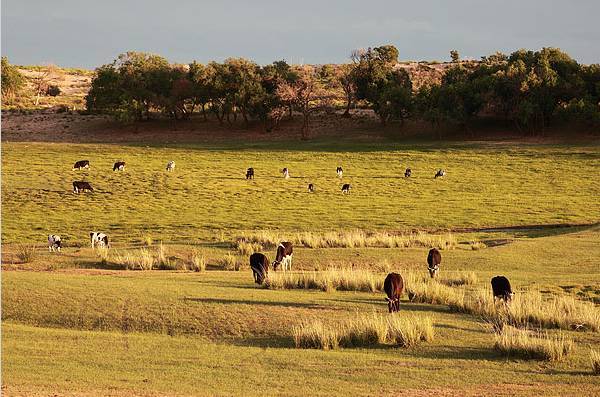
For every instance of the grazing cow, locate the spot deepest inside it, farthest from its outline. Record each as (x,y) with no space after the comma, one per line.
(339,171)
(407,173)
(439,174)
(119,165)
(434,258)
(250,173)
(285,251)
(346,188)
(501,288)
(171,166)
(100,239)
(260,267)
(311,188)
(393,287)
(81,164)
(286,173)
(82,186)
(54,243)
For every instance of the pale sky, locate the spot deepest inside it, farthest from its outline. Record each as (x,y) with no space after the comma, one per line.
(85,33)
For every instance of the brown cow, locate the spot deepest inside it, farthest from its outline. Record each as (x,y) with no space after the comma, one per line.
(260,267)
(393,287)
(434,258)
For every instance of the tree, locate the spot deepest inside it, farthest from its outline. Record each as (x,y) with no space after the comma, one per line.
(41,82)
(346,78)
(12,80)
(455,56)
(306,94)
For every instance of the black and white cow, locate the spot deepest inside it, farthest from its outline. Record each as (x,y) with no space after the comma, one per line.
(99,239)
(339,171)
(250,173)
(82,186)
(286,173)
(407,173)
(311,188)
(81,164)
(54,243)
(440,173)
(259,264)
(501,288)
(434,258)
(119,166)
(171,166)
(283,258)
(346,188)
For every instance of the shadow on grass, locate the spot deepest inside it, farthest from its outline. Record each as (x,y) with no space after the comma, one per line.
(461,353)
(221,301)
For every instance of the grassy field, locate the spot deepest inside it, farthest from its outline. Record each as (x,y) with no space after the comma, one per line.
(73,326)
(486,185)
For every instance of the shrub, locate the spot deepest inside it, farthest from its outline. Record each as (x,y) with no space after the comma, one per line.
(315,335)
(26,253)
(228,262)
(53,90)
(523,343)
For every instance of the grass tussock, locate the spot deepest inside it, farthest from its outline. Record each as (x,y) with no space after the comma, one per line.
(534,345)
(26,253)
(327,280)
(459,278)
(247,248)
(196,261)
(525,309)
(369,330)
(230,262)
(352,239)
(595,360)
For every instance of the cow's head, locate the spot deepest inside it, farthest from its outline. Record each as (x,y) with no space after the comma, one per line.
(393,304)
(275,264)
(433,270)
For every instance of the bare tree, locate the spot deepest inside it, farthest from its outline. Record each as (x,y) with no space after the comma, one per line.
(42,81)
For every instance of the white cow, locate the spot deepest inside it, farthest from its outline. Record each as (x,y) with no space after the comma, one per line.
(286,173)
(171,166)
(99,239)
(54,243)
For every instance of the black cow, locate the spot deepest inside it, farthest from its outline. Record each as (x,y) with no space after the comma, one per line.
(393,287)
(81,164)
(119,165)
(285,251)
(501,288)
(82,186)
(250,173)
(260,267)
(407,173)
(346,188)
(311,188)
(434,258)
(439,174)
(339,171)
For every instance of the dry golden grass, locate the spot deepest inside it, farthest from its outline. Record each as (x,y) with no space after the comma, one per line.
(26,253)
(459,278)
(529,344)
(247,248)
(351,239)
(595,359)
(404,330)
(197,261)
(327,280)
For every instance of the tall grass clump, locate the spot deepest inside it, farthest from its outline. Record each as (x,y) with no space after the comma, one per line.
(326,280)
(315,335)
(595,359)
(459,278)
(229,262)
(353,239)
(26,253)
(247,248)
(142,259)
(427,290)
(196,261)
(535,345)
(368,330)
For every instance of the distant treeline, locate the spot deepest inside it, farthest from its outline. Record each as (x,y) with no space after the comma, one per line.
(532,89)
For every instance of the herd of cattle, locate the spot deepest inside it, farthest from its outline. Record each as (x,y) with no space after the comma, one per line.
(259,263)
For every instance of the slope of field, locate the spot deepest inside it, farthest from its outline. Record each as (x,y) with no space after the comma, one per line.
(486,185)
(216,333)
